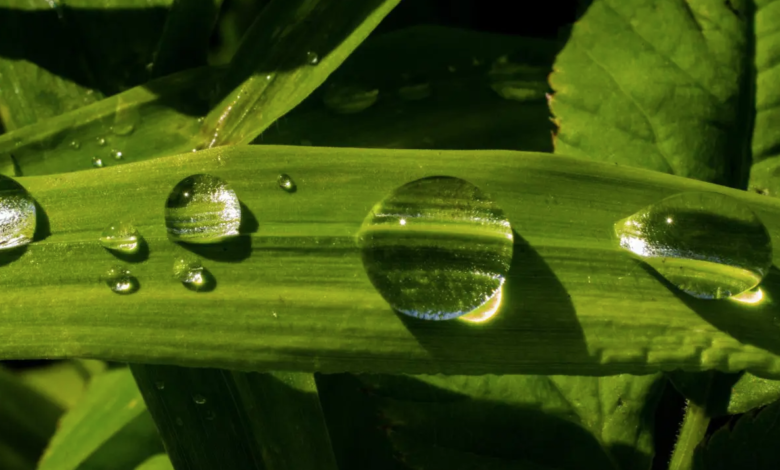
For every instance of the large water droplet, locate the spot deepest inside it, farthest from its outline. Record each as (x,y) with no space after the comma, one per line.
(121,281)
(17,214)
(436,248)
(122,237)
(191,273)
(97,162)
(312,58)
(286,182)
(348,99)
(202,209)
(707,244)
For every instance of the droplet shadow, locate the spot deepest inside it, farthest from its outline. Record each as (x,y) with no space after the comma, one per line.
(535,319)
(11,255)
(42,227)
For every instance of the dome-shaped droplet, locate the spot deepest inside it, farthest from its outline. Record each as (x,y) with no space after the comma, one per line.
(707,244)
(121,236)
(101,141)
(75,144)
(436,248)
(97,162)
(191,273)
(123,128)
(17,214)
(415,89)
(117,154)
(517,81)
(202,209)
(199,399)
(121,281)
(286,182)
(348,99)
(160,385)
(312,58)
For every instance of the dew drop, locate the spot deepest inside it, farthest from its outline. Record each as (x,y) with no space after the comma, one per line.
(117,154)
(97,162)
(100,141)
(199,399)
(121,281)
(349,99)
(202,209)
(436,248)
(286,183)
(709,245)
(75,144)
(121,236)
(518,81)
(160,385)
(122,129)
(415,91)
(312,58)
(17,214)
(191,273)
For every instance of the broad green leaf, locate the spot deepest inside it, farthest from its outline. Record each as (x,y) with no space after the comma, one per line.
(43,71)
(109,428)
(213,418)
(659,85)
(63,382)
(156,119)
(726,393)
(294,295)
(515,421)
(459,68)
(27,422)
(156,462)
(752,443)
(287,53)
(185,38)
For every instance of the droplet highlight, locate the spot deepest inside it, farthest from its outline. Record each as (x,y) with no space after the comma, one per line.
(75,144)
(191,273)
(199,399)
(121,236)
(709,245)
(437,248)
(100,141)
(202,209)
(312,58)
(97,162)
(286,183)
(117,154)
(17,214)
(121,281)
(349,99)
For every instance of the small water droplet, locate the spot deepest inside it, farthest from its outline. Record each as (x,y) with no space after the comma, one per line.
(436,248)
(201,120)
(97,162)
(75,144)
(286,182)
(160,385)
(122,129)
(101,141)
(17,214)
(349,99)
(117,154)
(121,236)
(415,91)
(517,81)
(202,209)
(269,77)
(312,58)
(707,244)
(191,273)
(121,280)
(199,399)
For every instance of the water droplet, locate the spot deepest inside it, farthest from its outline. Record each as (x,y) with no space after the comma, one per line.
(100,141)
(436,248)
(17,214)
(190,272)
(348,99)
(199,399)
(518,81)
(117,154)
(269,77)
(287,183)
(312,58)
(415,91)
(75,144)
(122,237)
(123,129)
(707,244)
(160,385)
(97,162)
(202,209)
(121,281)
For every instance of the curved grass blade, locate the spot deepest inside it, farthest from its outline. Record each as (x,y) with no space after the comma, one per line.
(278,66)
(62,382)
(28,421)
(459,68)
(156,462)
(108,428)
(292,293)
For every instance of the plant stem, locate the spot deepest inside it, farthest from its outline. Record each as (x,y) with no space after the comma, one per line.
(694,427)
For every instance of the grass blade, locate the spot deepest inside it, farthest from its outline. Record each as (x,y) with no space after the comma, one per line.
(278,66)
(157,462)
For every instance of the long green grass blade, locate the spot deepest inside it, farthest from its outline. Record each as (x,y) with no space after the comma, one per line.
(109,428)
(294,294)
(157,462)
(63,382)
(288,52)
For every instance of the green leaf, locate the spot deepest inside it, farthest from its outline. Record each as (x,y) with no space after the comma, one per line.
(727,393)
(108,428)
(278,66)
(515,421)
(27,421)
(675,96)
(156,462)
(751,444)
(212,418)
(63,382)
(574,302)
(462,111)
